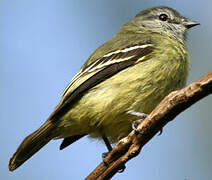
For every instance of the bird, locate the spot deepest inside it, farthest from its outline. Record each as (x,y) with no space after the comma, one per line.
(122,80)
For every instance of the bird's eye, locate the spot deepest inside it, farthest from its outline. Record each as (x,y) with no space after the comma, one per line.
(163,17)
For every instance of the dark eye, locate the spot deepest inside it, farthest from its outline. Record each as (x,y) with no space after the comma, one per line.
(163,17)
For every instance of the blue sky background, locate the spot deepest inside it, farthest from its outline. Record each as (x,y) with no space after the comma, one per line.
(42,46)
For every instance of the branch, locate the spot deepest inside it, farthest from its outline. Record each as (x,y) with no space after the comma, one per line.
(172,105)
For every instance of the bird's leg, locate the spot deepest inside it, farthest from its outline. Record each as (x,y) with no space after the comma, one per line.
(109,147)
(135,123)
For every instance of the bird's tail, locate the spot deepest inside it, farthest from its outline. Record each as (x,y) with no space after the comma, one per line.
(31,144)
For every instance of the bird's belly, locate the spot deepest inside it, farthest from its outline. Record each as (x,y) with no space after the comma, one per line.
(103,108)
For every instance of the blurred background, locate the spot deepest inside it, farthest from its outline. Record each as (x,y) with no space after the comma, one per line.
(43,44)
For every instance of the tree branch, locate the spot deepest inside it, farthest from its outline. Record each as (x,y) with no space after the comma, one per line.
(172,105)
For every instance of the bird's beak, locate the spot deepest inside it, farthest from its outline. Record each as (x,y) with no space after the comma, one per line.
(189,24)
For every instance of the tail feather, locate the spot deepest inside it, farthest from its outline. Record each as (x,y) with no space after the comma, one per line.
(31,144)
(69,140)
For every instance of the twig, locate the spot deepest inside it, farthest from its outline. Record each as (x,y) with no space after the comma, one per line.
(172,105)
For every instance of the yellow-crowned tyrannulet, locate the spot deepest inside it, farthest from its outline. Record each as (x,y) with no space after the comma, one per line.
(132,72)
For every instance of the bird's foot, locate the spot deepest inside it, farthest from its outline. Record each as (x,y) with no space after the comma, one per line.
(104,155)
(135,123)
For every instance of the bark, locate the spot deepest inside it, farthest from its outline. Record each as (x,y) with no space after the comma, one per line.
(130,146)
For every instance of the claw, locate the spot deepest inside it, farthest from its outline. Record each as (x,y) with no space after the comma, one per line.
(135,125)
(160,132)
(104,155)
(121,170)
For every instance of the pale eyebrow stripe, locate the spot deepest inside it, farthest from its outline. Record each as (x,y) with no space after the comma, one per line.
(128,49)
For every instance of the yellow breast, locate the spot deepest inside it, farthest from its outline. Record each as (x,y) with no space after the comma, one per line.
(102,109)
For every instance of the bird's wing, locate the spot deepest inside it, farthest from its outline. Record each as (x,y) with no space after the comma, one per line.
(97,71)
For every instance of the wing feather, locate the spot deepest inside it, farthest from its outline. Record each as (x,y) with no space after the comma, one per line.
(99,70)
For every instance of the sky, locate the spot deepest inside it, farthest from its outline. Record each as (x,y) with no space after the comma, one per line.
(42,46)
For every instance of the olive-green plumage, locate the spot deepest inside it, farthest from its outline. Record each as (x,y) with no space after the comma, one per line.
(139,88)
(133,71)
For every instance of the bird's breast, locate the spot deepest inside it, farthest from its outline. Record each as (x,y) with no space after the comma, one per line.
(139,88)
